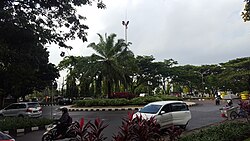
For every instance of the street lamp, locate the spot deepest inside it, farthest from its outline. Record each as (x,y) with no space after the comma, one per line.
(202,81)
(125,24)
(53,85)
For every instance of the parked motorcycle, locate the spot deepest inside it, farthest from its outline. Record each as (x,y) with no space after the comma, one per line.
(73,133)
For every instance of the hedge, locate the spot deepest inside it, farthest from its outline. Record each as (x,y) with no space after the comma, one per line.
(230,131)
(122,101)
(10,123)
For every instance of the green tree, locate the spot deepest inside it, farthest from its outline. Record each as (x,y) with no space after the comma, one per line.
(236,74)
(246,11)
(46,19)
(166,71)
(147,77)
(111,61)
(24,64)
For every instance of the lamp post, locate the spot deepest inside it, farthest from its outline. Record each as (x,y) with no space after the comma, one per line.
(202,81)
(125,24)
(53,85)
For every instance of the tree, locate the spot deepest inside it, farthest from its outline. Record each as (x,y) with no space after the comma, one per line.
(165,71)
(147,76)
(246,12)
(50,21)
(236,74)
(111,60)
(24,64)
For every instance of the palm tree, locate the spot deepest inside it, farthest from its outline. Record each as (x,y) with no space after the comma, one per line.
(110,60)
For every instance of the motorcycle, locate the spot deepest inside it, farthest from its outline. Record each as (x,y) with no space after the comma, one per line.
(73,133)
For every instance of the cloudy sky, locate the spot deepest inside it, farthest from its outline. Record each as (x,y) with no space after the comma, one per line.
(195,32)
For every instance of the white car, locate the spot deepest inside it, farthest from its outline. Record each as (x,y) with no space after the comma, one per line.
(166,113)
(22,109)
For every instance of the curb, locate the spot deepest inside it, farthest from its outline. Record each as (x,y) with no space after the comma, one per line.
(49,104)
(102,109)
(22,131)
(71,109)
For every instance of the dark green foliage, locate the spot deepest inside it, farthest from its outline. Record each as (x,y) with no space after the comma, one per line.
(20,123)
(236,75)
(123,101)
(102,102)
(232,131)
(25,64)
(246,11)
(147,99)
(46,19)
(144,100)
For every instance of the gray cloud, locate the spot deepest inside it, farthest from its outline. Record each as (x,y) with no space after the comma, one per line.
(188,31)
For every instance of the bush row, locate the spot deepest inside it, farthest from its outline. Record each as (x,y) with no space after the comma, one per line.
(123,101)
(231,131)
(10,123)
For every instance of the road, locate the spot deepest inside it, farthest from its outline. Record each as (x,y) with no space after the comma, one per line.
(205,113)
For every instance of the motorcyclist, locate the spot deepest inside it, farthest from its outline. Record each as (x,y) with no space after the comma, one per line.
(63,123)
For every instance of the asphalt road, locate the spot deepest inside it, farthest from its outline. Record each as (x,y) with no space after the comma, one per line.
(205,113)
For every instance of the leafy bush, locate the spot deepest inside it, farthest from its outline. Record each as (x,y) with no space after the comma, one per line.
(231,131)
(138,129)
(132,129)
(102,102)
(20,123)
(123,101)
(94,131)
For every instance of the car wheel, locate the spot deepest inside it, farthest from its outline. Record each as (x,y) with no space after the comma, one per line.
(184,126)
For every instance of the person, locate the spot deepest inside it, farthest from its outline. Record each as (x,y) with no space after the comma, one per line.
(64,122)
(217,100)
(230,102)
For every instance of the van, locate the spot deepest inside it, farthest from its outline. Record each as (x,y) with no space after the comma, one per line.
(166,113)
(22,109)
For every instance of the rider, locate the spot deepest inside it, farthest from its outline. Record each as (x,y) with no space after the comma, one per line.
(64,122)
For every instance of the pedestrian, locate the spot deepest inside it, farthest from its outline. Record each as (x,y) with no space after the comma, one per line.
(230,102)
(217,100)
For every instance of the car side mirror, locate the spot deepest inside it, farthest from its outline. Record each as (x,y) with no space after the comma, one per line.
(162,112)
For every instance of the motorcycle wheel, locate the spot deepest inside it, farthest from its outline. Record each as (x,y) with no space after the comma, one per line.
(47,137)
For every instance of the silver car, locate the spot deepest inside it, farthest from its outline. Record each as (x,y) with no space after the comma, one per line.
(22,109)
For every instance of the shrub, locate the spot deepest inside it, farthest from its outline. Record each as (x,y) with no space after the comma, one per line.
(8,124)
(123,101)
(138,129)
(94,131)
(231,131)
(132,129)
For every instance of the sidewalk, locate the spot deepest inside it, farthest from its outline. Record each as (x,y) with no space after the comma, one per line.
(118,108)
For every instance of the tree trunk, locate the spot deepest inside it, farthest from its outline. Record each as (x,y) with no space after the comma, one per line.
(109,89)
(1,101)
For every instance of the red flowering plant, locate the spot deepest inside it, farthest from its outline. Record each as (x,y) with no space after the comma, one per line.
(174,132)
(138,129)
(245,105)
(94,131)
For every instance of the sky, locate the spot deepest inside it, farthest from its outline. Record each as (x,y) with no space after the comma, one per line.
(195,32)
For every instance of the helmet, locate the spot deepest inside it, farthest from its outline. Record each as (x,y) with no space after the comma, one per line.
(64,109)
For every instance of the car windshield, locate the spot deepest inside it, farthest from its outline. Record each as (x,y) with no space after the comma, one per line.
(4,137)
(33,105)
(152,109)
